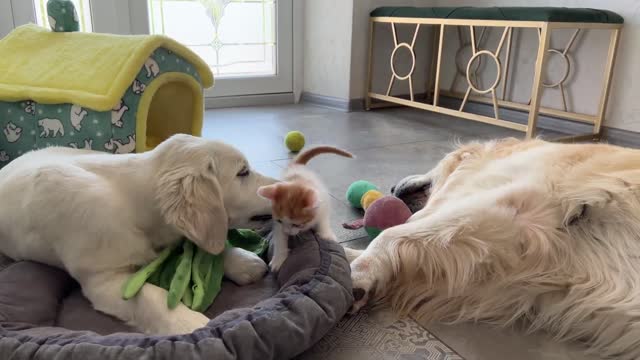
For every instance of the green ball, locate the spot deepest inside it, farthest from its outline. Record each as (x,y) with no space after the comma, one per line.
(356,191)
(294,141)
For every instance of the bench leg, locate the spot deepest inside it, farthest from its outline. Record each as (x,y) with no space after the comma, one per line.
(507,64)
(608,73)
(436,89)
(434,59)
(536,91)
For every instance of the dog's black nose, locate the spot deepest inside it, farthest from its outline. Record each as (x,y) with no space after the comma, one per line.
(265,217)
(393,189)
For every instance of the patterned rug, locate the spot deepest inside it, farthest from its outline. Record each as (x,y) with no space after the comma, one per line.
(379,335)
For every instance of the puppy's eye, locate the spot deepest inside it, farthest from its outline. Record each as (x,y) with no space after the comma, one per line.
(244,172)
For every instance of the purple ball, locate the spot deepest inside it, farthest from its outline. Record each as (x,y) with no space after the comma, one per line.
(386,212)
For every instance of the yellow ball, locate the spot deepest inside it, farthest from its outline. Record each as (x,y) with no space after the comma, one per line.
(369,197)
(294,141)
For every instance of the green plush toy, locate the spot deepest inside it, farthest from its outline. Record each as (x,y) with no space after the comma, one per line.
(190,274)
(356,191)
(62,16)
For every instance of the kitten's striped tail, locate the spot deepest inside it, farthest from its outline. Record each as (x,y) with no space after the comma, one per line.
(307,155)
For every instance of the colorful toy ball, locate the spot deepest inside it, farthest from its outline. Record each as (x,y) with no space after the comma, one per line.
(356,191)
(369,197)
(294,141)
(384,213)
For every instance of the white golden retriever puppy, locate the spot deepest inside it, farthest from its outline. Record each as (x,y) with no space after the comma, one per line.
(100,216)
(512,232)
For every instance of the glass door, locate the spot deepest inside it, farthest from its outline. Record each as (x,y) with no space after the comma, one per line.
(35,11)
(247,43)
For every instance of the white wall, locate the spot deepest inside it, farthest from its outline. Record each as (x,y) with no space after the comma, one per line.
(327,47)
(583,85)
(336,34)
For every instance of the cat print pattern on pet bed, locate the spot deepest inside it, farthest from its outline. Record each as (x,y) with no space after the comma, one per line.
(27,125)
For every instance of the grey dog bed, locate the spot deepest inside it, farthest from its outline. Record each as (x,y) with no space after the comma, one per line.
(43,314)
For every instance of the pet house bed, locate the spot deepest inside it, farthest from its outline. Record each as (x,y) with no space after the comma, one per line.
(103,92)
(472,23)
(43,314)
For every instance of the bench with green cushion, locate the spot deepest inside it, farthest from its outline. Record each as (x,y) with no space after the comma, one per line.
(546,14)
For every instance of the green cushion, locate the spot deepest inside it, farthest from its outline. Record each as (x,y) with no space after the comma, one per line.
(549,14)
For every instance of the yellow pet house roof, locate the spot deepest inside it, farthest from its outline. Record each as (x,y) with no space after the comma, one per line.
(99,89)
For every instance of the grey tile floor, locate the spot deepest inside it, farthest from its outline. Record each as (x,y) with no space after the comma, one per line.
(389,144)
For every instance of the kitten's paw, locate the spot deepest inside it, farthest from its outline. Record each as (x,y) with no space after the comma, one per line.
(328,235)
(325,232)
(277,260)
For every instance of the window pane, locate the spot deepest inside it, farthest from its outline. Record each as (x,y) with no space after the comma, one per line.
(235,37)
(83,8)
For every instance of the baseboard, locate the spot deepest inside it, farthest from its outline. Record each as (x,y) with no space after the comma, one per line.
(621,137)
(610,135)
(248,100)
(520,117)
(331,102)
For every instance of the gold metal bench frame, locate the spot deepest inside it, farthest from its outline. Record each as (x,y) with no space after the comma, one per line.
(533,107)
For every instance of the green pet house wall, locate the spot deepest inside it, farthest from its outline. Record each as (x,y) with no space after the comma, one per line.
(112,93)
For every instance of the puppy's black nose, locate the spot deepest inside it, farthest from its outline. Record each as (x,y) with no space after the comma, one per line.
(393,189)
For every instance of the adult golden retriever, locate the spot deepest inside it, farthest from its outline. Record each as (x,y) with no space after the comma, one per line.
(512,232)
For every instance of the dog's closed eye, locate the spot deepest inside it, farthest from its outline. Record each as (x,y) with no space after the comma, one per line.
(243,172)
(578,216)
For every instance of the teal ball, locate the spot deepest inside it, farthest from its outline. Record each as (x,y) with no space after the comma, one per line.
(386,212)
(356,191)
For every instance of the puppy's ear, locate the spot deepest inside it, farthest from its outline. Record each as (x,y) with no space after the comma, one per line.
(193,204)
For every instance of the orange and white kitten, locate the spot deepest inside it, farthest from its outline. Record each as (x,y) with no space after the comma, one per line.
(299,203)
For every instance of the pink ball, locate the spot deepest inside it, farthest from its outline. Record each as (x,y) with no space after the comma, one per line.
(386,212)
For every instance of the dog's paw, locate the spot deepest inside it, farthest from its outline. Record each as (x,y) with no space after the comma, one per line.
(180,320)
(277,260)
(363,285)
(188,322)
(360,299)
(243,267)
(352,254)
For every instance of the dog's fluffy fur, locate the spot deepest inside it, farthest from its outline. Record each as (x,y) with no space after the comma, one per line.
(99,216)
(518,232)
